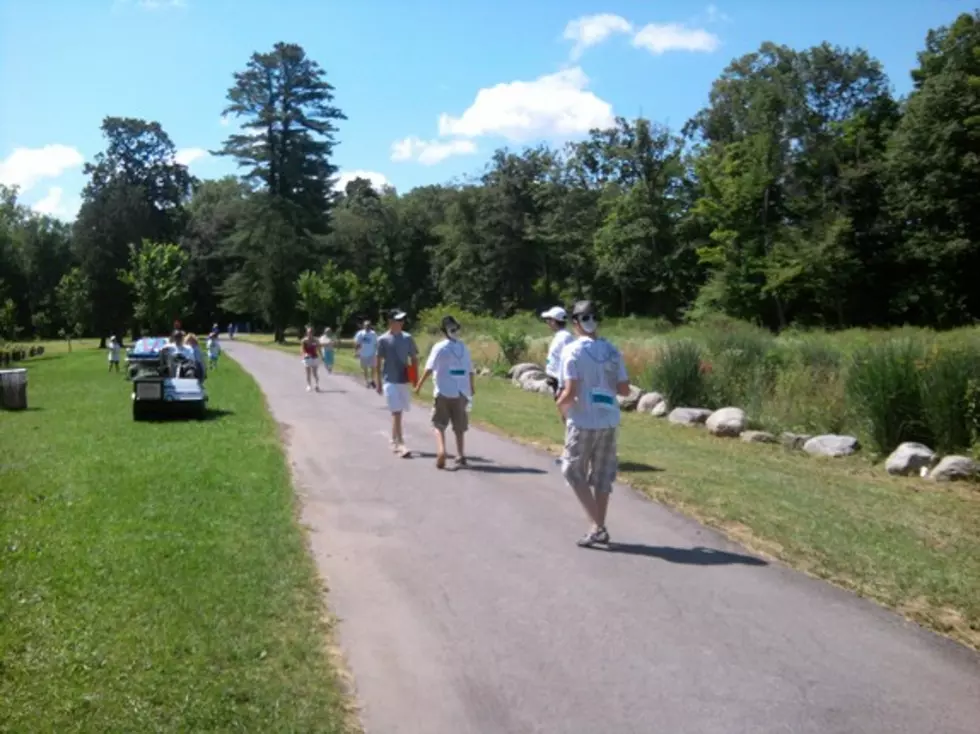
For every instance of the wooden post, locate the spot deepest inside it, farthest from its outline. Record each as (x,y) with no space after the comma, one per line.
(13,389)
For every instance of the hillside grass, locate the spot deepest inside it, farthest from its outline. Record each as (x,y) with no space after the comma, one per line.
(154,577)
(906,543)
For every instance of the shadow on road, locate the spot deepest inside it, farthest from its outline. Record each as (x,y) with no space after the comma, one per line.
(637,467)
(479,464)
(689,556)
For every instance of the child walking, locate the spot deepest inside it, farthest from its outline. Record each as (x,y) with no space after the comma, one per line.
(326,350)
(311,359)
(113,354)
(214,350)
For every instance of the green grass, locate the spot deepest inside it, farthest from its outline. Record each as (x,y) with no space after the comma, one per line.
(154,577)
(907,543)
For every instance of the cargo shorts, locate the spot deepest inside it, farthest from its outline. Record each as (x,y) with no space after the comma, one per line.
(446,411)
(589,460)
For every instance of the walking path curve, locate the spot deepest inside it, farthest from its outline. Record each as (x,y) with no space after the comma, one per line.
(465,606)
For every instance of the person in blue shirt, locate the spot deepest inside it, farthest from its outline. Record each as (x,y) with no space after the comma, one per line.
(593,374)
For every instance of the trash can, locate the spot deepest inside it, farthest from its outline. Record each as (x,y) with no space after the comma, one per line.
(13,389)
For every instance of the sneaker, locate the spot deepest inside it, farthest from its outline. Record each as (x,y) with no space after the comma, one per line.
(309,389)
(460,461)
(599,536)
(403,451)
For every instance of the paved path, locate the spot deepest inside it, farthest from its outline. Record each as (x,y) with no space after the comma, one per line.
(465,606)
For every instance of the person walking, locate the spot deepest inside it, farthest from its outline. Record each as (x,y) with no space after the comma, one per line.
(214,350)
(593,374)
(451,367)
(327,350)
(397,357)
(365,349)
(113,354)
(311,359)
(557,320)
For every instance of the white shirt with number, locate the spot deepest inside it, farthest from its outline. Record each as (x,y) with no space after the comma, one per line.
(368,342)
(598,368)
(451,367)
(113,351)
(561,339)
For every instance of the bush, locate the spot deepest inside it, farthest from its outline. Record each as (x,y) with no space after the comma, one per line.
(513,344)
(741,373)
(946,384)
(884,386)
(680,374)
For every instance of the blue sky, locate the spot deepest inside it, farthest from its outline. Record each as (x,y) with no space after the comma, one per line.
(430,87)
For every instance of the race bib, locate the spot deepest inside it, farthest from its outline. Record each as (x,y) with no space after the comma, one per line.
(603,399)
(458,373)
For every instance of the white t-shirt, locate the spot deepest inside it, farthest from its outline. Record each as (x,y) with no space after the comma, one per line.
(368,342)
(451,367)
(598,368)
(214,348)
(561,339)
(113,351)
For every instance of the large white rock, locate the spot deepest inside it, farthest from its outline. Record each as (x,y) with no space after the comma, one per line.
(629,402)
(728,422)
(528,376)
(517,370)
(951,468)
(688,416)
(648,402)
(832,445)
(909,458)
(660,409)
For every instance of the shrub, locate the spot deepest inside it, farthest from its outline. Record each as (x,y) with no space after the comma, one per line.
(740,370)
(806,400)
(884,386)
(945,384)
(513,344)
(680,374)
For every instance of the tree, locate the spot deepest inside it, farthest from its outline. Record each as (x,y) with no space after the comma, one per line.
(285,106)
(73,299)
(310,288)
(136,191)
(156,277)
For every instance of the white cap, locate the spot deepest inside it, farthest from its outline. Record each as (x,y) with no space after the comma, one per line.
(555,312)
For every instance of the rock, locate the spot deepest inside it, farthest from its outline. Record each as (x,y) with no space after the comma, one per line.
(537,386)
(517,370)
(530,376)
(831,445)
(728,422)
(660,409)
(688,416)
(909,458)
(794,440)
(757,437)
(649,401)
(629,402)
(485,372)
(951,468)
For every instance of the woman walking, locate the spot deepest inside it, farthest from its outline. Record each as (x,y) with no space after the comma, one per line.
(326,350)
(310,349)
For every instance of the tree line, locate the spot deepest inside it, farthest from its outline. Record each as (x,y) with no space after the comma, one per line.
(804,193)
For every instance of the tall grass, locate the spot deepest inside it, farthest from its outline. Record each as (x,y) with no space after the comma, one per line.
(679,374)
(946,396)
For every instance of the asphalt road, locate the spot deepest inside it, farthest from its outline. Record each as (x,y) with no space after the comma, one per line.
(465,605)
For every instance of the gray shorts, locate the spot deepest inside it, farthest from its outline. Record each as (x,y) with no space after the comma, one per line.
(590,461)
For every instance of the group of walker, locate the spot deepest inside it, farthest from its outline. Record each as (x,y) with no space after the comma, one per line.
(586,373)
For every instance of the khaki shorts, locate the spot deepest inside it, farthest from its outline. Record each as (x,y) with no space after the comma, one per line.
(590,460)
(450,410)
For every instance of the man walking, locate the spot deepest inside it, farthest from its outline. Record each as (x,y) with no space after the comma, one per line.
(365,349)
(397,355)
(450,365)
(557,319)
(593,374)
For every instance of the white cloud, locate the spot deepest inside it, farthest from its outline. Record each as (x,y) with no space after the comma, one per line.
(55,205)
(378,180)
(186,156)
(659,38)
(552,105)
(429,152)
(26,166)
(716,16)
(591,30)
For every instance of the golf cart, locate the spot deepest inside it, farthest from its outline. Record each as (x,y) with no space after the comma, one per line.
(167,379)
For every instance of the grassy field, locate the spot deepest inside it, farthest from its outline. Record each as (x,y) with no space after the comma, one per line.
(153,575)
(909,544)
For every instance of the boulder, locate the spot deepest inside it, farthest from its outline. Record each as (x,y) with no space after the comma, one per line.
(728,422)
(910,458)
(660,409)
(629,402)
(527,376)
(485,372)
(794,440)
(688,416)
(517,370)
(648,401)
(757,437)
(537,386)
(951,468)
(831,445)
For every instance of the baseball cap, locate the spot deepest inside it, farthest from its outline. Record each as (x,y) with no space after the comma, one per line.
(449,322)
(584,308)
(396,314)
(555,312)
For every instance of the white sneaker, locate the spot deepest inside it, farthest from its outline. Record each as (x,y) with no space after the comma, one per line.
(309,389)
